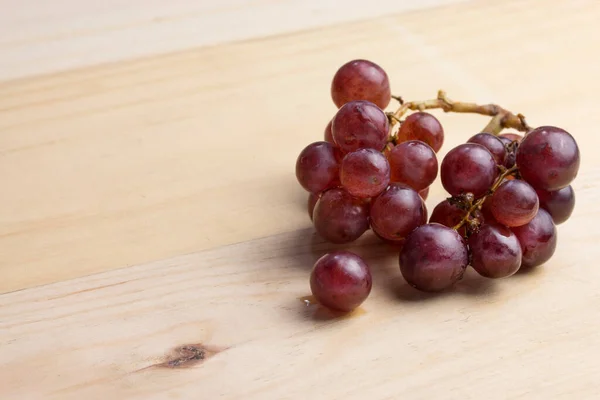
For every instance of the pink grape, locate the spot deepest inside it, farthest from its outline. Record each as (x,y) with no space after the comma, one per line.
(360,124)
(495,251)
(340,217)
(361,80)
(514,203)
(559,204)
(433,258)
(424,127)
(468,168)
(365,173)
(537,239)
(494,145)
(341,280)
(548,158)
(413,163)
(396,212)
(317,167)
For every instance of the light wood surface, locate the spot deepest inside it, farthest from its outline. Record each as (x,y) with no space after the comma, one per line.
(112,173)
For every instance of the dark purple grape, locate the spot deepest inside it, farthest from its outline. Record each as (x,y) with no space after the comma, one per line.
(341,281)
(361,80)
(312,201)
(413,163)
(424,127)
(317,167)
(450,215)
(486,210)
(511,156)
(360,124)
(424,193)
(433,257)
(328,134)
(340,217)
(514,203)
(495,251)
(396,212)
(548,158)
(494,145)
(468,168)
(559,204)
(537,239)
(365,173)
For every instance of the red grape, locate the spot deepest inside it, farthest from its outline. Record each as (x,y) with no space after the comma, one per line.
(317,167)
(494,145)
(559,204)
(341,281)
(328,134)
(537,239)
(548,158)
(413,163)
(396,212)
(361,80)
(424,127)
(424,193)
(312,201)
(514,203)
(495,251)
(360,124)
(340,217)
(450,215)
(433,257)
(468,168)
(486,210)
(365,173)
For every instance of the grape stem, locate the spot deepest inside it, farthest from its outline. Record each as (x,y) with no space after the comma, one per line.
(505,172)
(501,117)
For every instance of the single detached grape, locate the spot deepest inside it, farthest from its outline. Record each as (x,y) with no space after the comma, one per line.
(340,217)
(493,144)
(317,167)
(361,80)
(360,124)
(396,212)
(328,134)
(495,251)
(548,158)
(537,239)
(312,201)
(413,163)
(365,173)
(424,193)
(424,127)
(450,215)
(559,204)
(514,203)
(341,281)
(468,168)
(433,257)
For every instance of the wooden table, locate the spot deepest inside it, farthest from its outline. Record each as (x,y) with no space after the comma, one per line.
(154,242)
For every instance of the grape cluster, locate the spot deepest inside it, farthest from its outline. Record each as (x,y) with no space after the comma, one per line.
(507,192)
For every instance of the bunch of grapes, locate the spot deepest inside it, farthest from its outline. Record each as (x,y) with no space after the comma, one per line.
(373,171)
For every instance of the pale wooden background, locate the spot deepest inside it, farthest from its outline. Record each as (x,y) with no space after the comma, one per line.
(117,159)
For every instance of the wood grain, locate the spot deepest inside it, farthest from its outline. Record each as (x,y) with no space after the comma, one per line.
(42,37)
(111,172)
